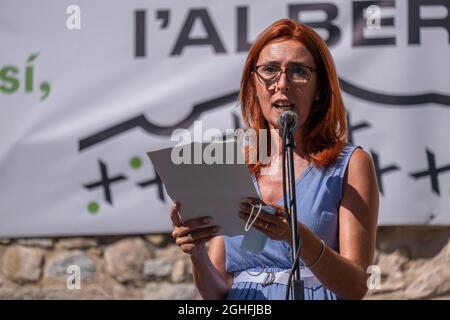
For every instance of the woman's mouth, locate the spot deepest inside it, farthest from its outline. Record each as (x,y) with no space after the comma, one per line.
(283,106)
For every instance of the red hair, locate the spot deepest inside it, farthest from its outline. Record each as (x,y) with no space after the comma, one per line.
(325,130)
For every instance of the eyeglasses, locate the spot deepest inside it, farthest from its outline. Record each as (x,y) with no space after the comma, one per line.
(297,74)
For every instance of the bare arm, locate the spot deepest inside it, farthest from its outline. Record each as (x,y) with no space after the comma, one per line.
(344,273)
(210,276)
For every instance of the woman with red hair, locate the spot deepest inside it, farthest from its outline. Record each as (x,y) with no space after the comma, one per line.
(289,67)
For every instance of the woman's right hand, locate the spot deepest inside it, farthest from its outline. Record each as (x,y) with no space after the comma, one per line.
(191,236)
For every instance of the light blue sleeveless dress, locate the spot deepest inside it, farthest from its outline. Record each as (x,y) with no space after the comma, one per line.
(319,193)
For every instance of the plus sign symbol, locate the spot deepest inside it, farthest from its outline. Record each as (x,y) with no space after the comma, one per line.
(432,172)
(105,182)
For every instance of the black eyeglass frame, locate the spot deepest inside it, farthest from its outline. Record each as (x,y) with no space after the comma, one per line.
(276,79)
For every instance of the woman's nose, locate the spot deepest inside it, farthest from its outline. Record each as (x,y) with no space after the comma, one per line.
(282,83)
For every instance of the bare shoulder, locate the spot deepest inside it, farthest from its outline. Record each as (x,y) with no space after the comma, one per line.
(360,161)
(360,167)
(360,178)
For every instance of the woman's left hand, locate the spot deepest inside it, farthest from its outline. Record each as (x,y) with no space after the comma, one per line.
(274,226)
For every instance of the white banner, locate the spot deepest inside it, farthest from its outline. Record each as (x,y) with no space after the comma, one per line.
(88,87)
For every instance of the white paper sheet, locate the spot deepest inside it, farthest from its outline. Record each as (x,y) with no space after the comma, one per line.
(213,190)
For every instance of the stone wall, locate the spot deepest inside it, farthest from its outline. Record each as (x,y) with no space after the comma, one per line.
(132,267)
(414,264)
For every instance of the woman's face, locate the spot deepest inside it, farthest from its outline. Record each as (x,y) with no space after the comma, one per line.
(283,94)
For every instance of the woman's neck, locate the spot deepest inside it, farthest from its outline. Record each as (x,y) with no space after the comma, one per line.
(277,144)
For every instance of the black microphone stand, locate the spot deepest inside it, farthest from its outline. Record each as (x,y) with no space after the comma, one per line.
(295,283)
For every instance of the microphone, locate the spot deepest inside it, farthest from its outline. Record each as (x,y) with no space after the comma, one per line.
(288,119)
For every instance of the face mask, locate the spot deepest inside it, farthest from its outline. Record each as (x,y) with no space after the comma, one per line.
(254,240)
